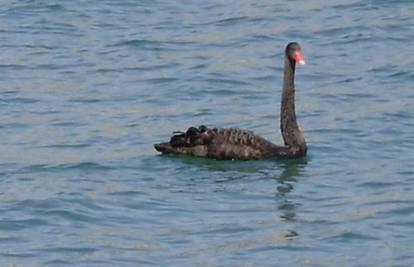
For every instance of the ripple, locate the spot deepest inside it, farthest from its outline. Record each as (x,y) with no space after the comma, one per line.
(376,184)
(58,262)
(78,250)
(351,236)
(13,66)
(398,211)
(19,100)
(85,100)
(83,166)
(17,225)
(66,124)
(15,125)
(402,74)
(227,81)
(231,21)
(127,193)
(86,166)
(63,146)
(162,80)
(153,45)
(18,255)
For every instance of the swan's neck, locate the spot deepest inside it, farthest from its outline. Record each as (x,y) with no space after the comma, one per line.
(291,133)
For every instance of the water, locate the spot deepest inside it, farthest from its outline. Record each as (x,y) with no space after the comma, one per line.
(86,88)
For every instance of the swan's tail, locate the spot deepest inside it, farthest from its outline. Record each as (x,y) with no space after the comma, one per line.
(193,142)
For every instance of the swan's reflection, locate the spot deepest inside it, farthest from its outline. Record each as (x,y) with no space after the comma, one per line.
(272,210)
(235,169)
(291,170)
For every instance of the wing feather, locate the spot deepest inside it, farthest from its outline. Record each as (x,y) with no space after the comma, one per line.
(220,143)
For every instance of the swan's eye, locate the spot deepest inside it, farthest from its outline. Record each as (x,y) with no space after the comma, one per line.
(297,56)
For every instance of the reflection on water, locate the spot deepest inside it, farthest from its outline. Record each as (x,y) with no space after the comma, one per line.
(284,175)
(291,171)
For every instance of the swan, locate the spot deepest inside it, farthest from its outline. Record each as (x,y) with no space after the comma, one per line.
(239,144)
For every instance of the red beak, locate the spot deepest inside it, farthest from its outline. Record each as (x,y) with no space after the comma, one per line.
(297,56)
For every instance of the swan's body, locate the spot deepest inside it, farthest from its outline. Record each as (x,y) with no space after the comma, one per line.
(224,143)
(234,143)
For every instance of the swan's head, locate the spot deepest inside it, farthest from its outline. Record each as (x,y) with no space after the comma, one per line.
(293,52)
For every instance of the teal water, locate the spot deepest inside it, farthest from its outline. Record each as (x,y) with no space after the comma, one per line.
(86,88)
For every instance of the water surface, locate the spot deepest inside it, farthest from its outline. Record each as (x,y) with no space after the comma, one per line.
(86,88)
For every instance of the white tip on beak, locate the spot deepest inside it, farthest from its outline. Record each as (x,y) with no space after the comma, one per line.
(301,62)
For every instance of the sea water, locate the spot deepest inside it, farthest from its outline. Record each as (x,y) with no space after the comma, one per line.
(87,88)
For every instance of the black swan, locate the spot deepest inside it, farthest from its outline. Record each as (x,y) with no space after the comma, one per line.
(238,144)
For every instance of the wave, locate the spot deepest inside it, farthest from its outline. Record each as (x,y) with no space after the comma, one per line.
(153,45)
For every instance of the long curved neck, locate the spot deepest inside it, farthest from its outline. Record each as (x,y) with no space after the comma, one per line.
(291,133)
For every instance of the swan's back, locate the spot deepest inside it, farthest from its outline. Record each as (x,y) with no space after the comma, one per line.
(219,143)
